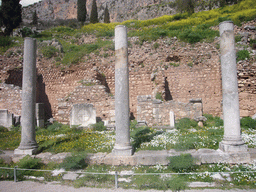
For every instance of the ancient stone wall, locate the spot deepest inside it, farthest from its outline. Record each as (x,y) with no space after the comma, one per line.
(95,94)
(156,112)
(10,98)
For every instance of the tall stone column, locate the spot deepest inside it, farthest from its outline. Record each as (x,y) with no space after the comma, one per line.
(122,146)
(28,143)
(232,141)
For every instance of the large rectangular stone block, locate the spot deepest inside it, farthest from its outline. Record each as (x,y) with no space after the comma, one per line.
(6,118)
(83,115)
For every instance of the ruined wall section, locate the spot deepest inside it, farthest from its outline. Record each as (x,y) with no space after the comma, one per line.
(97,95)
(10,98)
(156,112)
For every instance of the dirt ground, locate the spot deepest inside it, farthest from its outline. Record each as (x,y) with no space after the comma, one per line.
(30,186)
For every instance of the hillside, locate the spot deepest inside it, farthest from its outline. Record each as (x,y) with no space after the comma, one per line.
(49,10)
(174,56)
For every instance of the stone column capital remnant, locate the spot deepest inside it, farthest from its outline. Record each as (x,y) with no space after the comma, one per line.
(232,141)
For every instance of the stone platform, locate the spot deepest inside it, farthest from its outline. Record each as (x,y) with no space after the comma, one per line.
(203,156)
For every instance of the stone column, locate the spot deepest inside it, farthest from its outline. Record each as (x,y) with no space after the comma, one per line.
(28,143)
(232,141)
(122,146)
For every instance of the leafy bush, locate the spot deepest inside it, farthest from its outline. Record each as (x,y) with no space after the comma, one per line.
(141,135)
(26,32)
(159,96)
(3,129)
(75,161)
(213,121)
(56,126)
(133,124)
(182,163)
(49,51)
(28,162)
(186,123)
(242,55)
(248,122)
(99,126)
(5,41)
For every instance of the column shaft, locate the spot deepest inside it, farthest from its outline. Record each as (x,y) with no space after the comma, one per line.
(122,146)
(232,140)
(28,143)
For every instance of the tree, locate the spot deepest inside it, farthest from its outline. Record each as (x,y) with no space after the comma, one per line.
(34,18)
(11,15)
(185,6)
(81,10)
(94,13)
(106,15)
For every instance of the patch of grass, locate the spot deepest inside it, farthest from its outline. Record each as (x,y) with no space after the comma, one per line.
(159,96)
(75,161)
(175,64)
(99,126)
(141,135)
(74,53)
(28,162)
(89,180)
(248,122)
(49,51)
(186,123)
(182,163)
(213,121)
(242,55)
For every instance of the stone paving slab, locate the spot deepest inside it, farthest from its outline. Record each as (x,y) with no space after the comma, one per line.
(147,157)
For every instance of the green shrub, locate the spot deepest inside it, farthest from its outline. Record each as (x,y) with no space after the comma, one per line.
(75,161)
(218,122)
(56,126)
(133,124)
(182,163)
(242,55)
(156,45)
(99,126)
(187,142)
(159,96)
(3,129)
(177,183)
(26,32)
(28,162)
(49,51)
(248,122)
(141,135)
(186,123)
(5,41)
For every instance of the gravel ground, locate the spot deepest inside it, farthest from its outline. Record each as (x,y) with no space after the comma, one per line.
(30,186)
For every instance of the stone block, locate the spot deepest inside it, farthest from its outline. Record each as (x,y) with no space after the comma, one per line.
(172,119)
(6,119)
(151,157)
(40,115)
(83,115)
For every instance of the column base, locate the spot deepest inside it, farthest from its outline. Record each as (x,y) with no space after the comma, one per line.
(25,151)
(226,147)
(125,151)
